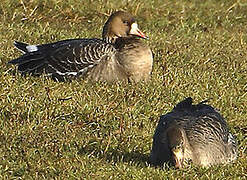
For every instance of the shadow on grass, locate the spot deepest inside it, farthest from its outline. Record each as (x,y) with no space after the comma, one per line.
(115,156)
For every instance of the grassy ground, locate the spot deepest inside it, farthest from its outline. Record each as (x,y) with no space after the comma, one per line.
(104,131)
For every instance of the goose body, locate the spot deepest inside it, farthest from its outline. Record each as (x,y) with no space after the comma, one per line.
(196,133)
(119,55)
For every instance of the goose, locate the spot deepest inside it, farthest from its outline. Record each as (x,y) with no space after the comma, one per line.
(195,134)
(119,56)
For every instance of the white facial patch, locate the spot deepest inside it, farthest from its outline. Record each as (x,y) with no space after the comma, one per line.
(135,31)
(31,48)
(134,28)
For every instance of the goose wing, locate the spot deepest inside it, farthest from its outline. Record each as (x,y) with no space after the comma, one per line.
(64,58)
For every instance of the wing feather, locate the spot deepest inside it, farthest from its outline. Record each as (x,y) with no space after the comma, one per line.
(65,58)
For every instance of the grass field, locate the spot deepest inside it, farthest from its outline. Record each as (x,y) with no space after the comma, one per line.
(89,130)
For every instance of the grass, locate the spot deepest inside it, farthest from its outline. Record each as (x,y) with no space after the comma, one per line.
(104,131)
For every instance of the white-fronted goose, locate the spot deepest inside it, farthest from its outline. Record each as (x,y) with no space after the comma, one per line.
(192,133)
(120,55)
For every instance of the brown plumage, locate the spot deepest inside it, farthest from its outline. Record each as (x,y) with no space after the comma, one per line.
(192,133)
(119,55)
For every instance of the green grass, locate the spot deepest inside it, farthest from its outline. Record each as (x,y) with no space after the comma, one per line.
(102,130)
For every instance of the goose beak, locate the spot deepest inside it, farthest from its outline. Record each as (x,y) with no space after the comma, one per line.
(136,31)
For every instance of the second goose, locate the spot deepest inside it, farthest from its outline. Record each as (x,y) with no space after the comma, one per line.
(196,133)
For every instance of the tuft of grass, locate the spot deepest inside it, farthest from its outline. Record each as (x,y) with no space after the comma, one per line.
(101,130)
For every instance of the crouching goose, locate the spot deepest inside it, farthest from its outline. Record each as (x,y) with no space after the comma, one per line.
(192,133)
(120,55)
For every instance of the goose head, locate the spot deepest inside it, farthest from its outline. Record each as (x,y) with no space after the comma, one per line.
(177,140)
(121,24)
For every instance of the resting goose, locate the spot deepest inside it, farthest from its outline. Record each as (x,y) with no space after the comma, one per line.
(119,55)
(192,133)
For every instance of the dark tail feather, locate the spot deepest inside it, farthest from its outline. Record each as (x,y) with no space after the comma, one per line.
(205,101)
(200,108)
(21,46)
(27,58)
(15,61)
(185,104)
(33,67)
(30,63)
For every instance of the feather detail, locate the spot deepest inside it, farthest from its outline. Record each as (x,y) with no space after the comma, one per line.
(205,140)
(65,58)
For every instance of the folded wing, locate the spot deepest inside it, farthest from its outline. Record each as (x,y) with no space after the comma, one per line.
(72,57)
